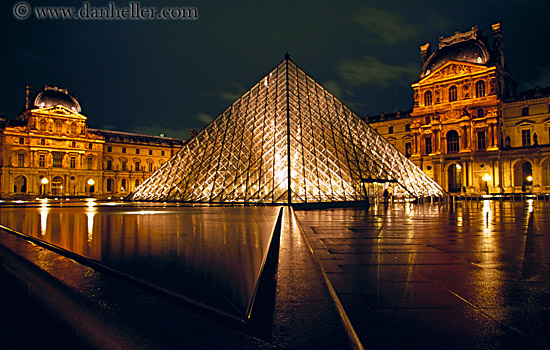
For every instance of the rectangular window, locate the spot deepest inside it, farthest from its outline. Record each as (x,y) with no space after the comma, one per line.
(21,141)
(20,160)
(150,152)
(73,162)
(428,120)
(150,167)
(109,164)
(90,163)
(137,150)
(57,160)
(136,166)
(123,149)
(525,138)
(428,141)
(42,161)
(408,147)
(390,130)
(161,153)
(481,140)
(123,165)
(109,149)
(525,111)
(407,127)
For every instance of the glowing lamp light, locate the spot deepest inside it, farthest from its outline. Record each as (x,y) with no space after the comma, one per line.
(487,177)
(44,181)
(529,178)
(91,182)
(458,167)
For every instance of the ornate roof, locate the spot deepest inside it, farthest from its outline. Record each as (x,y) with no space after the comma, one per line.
(463,47)
(54,96)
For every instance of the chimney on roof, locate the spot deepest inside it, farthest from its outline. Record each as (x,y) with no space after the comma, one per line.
(498,44)
(425,52)
(28,97)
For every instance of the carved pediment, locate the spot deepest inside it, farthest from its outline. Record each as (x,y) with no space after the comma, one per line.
(450,69)
(60,111)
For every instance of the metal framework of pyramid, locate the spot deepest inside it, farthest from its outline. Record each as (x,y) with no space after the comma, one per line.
(287,140)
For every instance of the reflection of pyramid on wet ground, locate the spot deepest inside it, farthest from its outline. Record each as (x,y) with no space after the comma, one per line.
(287,140)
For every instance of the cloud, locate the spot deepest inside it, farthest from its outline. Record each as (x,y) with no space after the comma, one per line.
(334,88)
(385,27)
(371,71)
(156,130)
(230,96)
(203,118)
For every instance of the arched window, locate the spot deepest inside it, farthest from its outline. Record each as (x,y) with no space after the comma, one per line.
(428,98)
(453,93)
(58,126)
(123,185)
(43,125)
(480,89)
(452,141)
(73,128)
(20,184)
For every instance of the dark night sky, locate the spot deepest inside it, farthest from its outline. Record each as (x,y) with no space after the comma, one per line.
(167,76)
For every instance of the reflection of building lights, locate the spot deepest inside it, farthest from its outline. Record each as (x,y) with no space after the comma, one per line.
(529,178)
(91,182)
(486,177)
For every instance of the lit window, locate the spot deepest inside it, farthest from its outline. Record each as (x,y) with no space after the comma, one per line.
(150,167)
(20,160)
(481,140)
(428,98)
(452,141)
(428,141)
(42,161)
(525,138)
(73,128)
(73,162)
(453,93)
(58,126)
(480,89)
(57,160)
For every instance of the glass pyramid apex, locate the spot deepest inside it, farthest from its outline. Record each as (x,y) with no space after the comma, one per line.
(286,140)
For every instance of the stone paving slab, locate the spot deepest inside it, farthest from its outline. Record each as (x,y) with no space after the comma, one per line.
(423,276)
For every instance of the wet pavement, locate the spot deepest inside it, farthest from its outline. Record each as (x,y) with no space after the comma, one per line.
(424,276)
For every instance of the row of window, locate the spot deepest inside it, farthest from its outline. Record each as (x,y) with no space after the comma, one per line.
(57,162)
(453,142)
(407,128)
(137,150)
(453,93)
(71,129)
(20,185)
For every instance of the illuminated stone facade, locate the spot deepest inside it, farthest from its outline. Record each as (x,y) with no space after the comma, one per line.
(469,129)
(49,151)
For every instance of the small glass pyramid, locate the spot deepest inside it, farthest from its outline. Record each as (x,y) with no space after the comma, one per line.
(287,140)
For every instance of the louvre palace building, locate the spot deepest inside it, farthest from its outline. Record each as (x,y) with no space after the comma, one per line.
(469,128)
(48,151)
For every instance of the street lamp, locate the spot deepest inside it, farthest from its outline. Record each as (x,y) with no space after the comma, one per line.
(529,178)
(43,183)
(487,178)
(91,184)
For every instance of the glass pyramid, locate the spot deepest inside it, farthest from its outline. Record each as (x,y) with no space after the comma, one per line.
(287,140)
